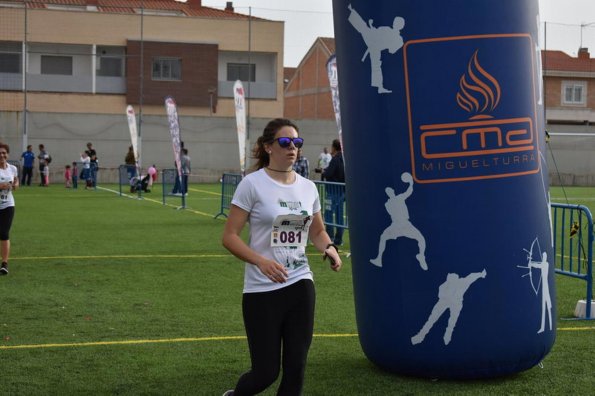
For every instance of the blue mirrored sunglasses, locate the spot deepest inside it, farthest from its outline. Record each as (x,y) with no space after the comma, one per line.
(286,141)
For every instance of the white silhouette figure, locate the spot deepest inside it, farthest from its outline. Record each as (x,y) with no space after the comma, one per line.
(546,300)
(401,226)
(377,39)
(450,296)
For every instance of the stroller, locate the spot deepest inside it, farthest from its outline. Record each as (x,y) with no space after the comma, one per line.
(143,184)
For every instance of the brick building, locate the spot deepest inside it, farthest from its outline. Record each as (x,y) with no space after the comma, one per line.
(569,85)
(307,93)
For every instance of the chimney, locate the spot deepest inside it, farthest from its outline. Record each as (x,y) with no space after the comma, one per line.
(583,53)
(229,6)
(194,3)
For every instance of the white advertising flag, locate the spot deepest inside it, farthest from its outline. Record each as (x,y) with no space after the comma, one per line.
(133,133)
(240,105)
(331,68)
(174,130)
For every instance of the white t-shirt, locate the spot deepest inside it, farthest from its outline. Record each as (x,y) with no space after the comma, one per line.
(324,160)
(265,199)
(7,175)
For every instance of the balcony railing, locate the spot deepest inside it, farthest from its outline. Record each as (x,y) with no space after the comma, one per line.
(256,90)
(112,85)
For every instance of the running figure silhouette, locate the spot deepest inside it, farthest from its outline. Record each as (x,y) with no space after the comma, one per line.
(450,296)
(377,39)
(401,226)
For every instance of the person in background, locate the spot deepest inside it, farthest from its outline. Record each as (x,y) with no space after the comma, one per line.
(152,171)
(86,161)
(28,158)
(186,170)
(43,159)
(46,173)
(90,150)
(279,296)
(67,176)
(75,175)
(301,165)
(94,168)
(335,194)
(93,165)
(9,181)
(130,161)
(323,160)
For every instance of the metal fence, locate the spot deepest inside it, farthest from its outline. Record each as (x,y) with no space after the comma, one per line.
(573,245)
(172,188)
(332,199)
(229,183)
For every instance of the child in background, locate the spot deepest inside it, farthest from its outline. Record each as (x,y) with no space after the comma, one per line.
(67,177)
(75,176)
(152,171)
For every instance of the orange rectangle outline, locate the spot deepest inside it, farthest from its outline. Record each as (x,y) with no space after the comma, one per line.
(408,96)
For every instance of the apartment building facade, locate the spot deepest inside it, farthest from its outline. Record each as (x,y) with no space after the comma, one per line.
(69,68)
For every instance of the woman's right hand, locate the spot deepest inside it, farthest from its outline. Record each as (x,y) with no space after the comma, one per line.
(273,270)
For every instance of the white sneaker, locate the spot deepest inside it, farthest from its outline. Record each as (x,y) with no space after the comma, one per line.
(228,393)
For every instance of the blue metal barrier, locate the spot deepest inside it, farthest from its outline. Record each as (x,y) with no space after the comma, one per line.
(574,247)
(229,183)
(123,178)
(170,181)
(332,201)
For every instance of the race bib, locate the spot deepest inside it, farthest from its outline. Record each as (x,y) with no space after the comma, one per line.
(290,230)
(4,193)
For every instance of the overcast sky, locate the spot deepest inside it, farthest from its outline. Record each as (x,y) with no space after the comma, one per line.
(305,20)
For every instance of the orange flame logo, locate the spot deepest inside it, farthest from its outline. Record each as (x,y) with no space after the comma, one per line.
(479,91)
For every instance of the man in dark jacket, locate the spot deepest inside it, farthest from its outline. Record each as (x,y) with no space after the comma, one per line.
(335,194)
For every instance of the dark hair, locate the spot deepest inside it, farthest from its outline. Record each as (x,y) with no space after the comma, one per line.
(337,144)
(5,146)
(268,136)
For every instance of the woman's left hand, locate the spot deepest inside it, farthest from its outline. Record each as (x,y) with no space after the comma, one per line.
(333,255)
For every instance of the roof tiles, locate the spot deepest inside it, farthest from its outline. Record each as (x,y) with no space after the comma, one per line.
(129,6)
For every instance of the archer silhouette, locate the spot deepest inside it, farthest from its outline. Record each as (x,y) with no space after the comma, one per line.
(546,301)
